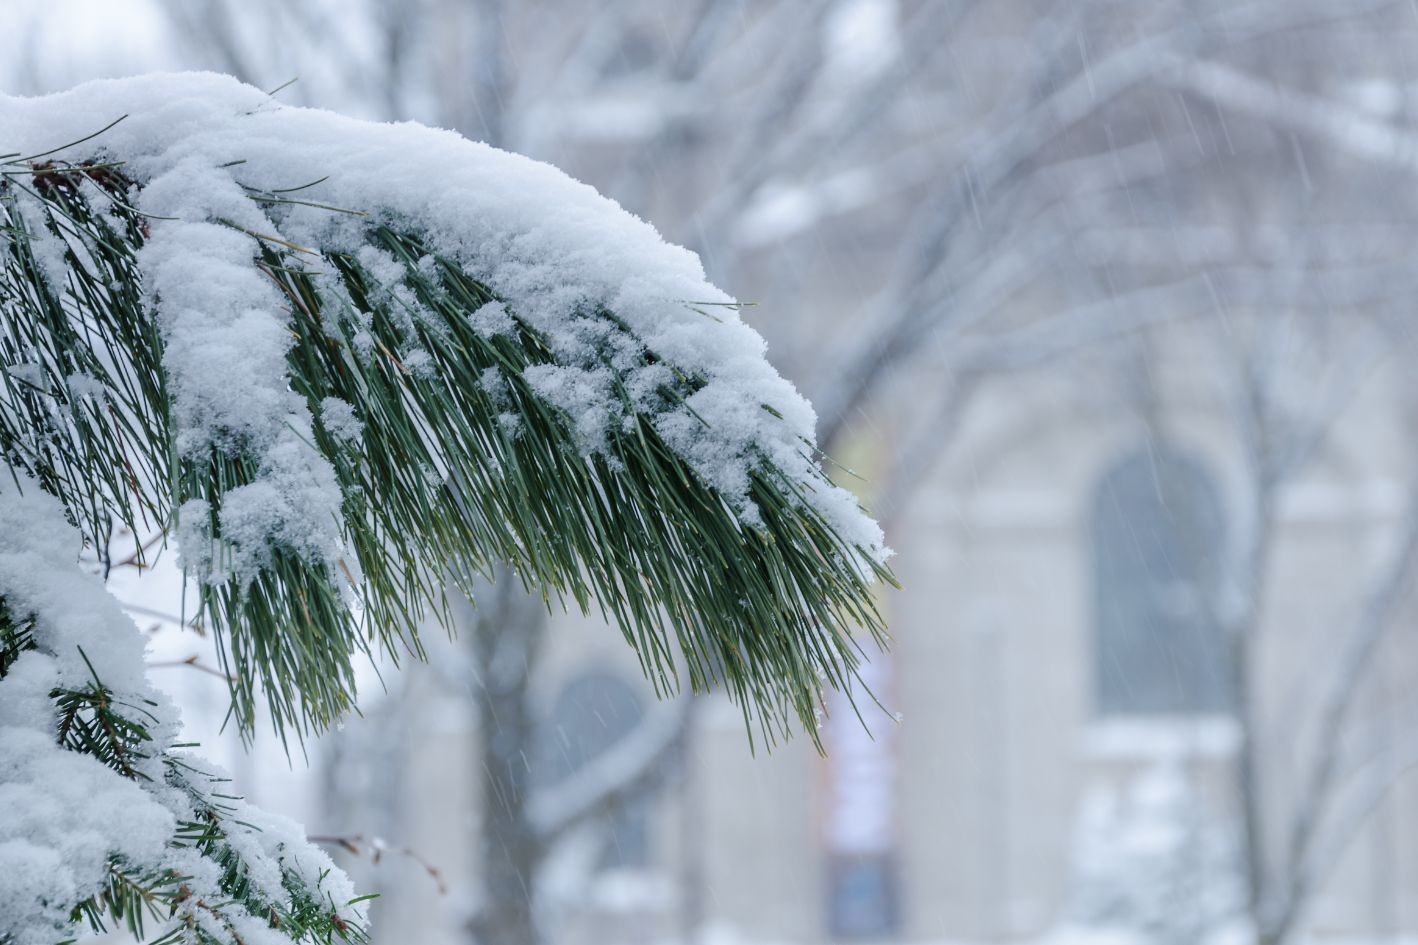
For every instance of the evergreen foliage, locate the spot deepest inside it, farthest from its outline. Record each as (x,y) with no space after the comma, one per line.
(437,464)
(125,734)
(456,466)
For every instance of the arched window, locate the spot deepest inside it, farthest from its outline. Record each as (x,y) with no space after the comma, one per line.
(1159,535)
(593,712)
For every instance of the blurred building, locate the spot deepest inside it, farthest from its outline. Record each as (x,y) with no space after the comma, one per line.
(1219,285)
(1027,702)
(1065,755)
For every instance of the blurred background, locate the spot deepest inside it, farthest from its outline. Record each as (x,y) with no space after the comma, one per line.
(1109,303)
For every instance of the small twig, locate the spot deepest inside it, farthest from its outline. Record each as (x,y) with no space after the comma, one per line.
(192,661)
(137,558)
(352,844)
(165,616)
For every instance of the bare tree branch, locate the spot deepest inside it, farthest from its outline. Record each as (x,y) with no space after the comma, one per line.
(1344,128)
(1360,646)
(634,765)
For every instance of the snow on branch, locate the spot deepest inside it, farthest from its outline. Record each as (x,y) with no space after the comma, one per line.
(334,358)
(107,823)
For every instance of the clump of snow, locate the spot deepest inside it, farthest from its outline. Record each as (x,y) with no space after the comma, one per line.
(48,248)
(293,504)
(419,363)
(28,372)
(73,612)
(194,542)
(492,319)
(584,394)
(557,255)
(68,818)
(65,815)
(83,386)
(226,342)
(339,418)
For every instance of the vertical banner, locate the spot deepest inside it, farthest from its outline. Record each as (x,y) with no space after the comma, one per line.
(858,810)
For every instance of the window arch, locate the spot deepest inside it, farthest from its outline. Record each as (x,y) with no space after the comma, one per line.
(593,712)
(1159,538)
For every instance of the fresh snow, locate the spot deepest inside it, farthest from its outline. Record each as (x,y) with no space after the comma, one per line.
(339,418)
(554,251)
(67,815)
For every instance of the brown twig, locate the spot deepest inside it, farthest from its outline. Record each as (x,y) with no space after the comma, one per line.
(192,661)
(138,558)
(354,845)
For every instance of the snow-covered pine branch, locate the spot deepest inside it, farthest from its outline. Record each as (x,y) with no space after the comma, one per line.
(106,822)
(336,361)
(335,358)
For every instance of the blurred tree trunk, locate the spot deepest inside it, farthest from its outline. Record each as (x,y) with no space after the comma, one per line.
(509,623)
(508,630)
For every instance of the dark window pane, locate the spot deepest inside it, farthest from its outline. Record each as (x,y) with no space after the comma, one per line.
(861,896)
(1158,535)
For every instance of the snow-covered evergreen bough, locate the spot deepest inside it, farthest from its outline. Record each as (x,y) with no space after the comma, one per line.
(343,365)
